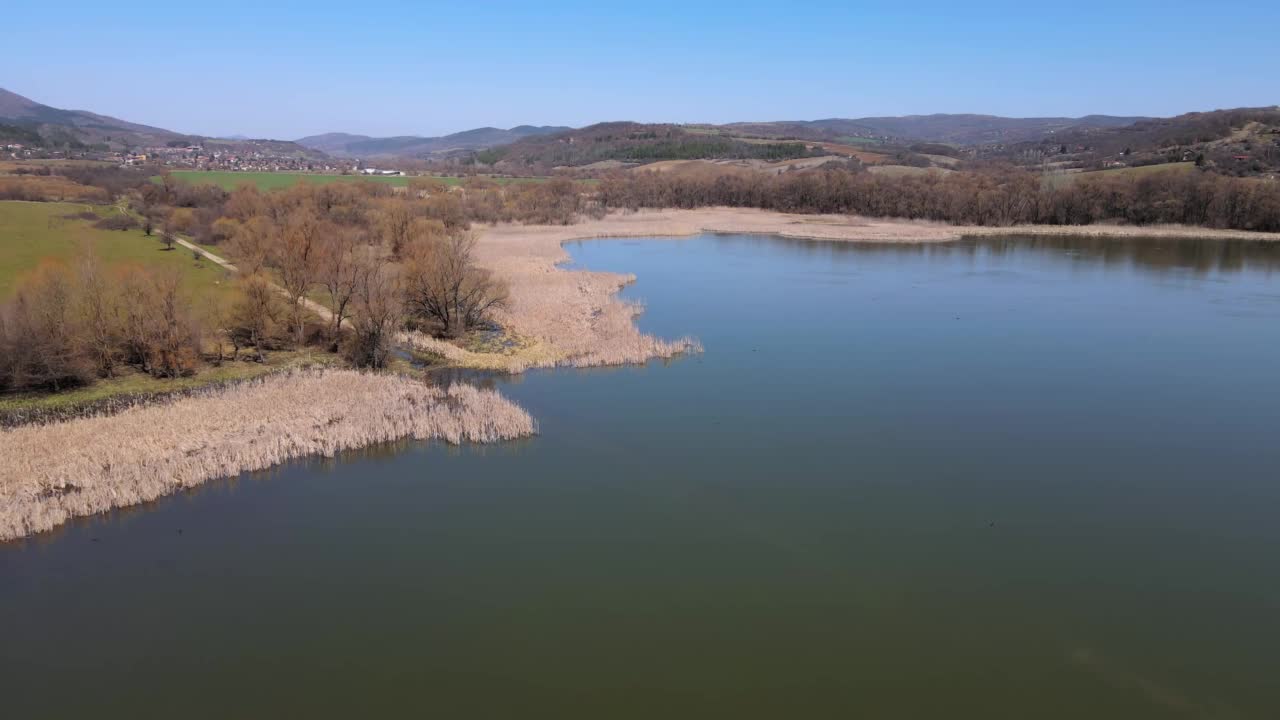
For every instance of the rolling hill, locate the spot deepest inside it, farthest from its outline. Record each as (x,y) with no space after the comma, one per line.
(1242,141)
(30,123)
(629,142)
(939,128)
(77,127)
(348,145)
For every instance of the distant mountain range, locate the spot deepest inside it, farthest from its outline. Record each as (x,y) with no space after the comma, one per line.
(951,129)
(26,118)
(1244,141)
(940,128)
(347,145)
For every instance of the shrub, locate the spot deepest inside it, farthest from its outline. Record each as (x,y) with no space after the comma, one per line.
(118,221)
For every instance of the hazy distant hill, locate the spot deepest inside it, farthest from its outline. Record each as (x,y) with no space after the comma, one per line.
(943,128)
(332,143)
(347,145)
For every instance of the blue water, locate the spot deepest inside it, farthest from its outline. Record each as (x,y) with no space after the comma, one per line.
(991,479)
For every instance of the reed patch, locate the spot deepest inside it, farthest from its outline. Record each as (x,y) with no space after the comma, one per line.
(58,471)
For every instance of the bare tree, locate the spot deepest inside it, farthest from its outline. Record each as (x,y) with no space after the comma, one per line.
(97,317)
(337,268)
(251,244)
(255,315)
(175,336)
(395,225)
(377,312)
(295,256)
(444,285)
(42,348)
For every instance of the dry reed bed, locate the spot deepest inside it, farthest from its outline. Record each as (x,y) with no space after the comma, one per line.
(58,471)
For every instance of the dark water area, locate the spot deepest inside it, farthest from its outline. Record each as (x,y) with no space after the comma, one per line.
(998,478)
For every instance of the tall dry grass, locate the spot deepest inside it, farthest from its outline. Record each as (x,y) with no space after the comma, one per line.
(54,472)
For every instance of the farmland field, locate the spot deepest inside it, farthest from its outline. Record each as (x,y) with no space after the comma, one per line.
(274,180)
(31,233)
(1058,180)
(905,170)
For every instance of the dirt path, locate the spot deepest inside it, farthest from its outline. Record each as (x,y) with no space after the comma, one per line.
(325,313)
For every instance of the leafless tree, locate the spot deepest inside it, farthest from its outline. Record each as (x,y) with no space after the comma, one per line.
(255,315)
(377,312)
(444,285)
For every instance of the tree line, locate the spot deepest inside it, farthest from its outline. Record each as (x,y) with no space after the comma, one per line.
(997,198)
(65,326)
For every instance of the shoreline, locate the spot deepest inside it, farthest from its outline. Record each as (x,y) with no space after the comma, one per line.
(85,466)
(556,317)
(564,317)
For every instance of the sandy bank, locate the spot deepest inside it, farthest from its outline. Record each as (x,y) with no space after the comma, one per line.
(571,317)
(55,472)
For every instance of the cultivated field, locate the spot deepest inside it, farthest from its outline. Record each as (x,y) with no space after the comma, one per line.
(1063,179)
(31,233)
(273,181)
(904,170)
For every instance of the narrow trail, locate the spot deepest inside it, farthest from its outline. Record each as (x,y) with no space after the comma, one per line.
(325,313)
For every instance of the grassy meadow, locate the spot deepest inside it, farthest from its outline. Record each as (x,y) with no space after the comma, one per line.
(277,180)
(1057,180)
(32,233)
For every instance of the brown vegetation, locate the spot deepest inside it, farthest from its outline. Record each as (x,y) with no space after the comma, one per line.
(443,285)
(63,327)
(995,198)
(54,472)
(48,189)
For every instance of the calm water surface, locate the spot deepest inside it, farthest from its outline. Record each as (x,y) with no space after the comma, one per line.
(991,479)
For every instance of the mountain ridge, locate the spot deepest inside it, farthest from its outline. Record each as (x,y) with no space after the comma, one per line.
(341,144)
(81,125)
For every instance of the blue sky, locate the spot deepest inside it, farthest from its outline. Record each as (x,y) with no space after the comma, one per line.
(385,68)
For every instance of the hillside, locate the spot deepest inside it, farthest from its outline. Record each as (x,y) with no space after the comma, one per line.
(347,145)
(918,141)
(628,142)
(1242,142)
(940,128)
(27,122)
(77,128)
(333,143)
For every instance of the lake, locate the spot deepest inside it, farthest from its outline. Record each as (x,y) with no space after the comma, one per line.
(997,478)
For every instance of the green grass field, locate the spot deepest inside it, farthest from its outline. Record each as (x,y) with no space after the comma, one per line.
(1057,180)
(855,140)
(274,181)
(34,232)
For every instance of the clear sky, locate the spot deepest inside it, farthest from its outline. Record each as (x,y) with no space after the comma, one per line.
(285,70)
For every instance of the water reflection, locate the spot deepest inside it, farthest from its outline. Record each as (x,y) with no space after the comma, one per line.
(1201,255)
